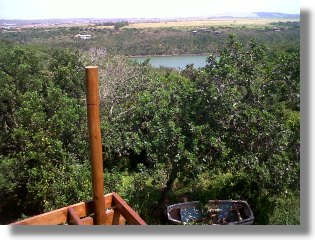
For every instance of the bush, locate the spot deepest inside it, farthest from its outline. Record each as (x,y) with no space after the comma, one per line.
(287,209)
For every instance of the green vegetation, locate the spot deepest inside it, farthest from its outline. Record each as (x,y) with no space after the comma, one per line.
(156,41)
(230,130)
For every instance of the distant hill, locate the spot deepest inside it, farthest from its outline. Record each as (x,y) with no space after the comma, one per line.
(276,15)
(44,21)
(253,15)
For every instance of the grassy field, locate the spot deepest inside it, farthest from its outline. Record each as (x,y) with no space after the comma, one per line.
(212,22)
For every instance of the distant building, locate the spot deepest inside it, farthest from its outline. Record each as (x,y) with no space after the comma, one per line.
(84,36)
(194,32)
(276,29)
(199,30)
(203,29)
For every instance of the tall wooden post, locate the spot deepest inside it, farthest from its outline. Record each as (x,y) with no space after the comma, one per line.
(92,99)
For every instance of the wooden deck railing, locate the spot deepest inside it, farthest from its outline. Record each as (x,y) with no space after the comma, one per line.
(118,212)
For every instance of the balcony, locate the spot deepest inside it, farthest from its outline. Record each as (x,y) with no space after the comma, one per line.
(117,212)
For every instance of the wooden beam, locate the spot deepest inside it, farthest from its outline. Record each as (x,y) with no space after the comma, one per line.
(118,219)
(59,216)
(128,213)
(73,217)
(119,213)
(92,100)
(113,217)
(87,221)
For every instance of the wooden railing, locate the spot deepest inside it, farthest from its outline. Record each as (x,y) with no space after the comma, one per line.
(117,212)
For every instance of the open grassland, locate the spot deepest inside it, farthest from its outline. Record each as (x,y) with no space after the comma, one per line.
(212,22)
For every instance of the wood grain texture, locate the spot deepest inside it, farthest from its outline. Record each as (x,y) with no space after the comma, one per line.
(92,96)
(128,213)
(73,217)
(118,213)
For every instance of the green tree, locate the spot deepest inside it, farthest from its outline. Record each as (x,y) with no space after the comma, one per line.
(120,24)
(254,116)
(67,71)
(42,131)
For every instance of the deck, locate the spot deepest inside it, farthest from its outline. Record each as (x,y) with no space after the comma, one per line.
(117,212)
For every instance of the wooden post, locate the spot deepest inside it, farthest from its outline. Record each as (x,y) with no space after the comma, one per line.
(92,99)
(74,217)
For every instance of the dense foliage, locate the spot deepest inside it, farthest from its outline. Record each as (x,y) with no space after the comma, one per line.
(227,119)
(229,130)
(43,130)
(155,41)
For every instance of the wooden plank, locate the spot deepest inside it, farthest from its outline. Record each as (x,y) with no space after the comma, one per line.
(118,219)
(59,216)
(87,221)
(121,213)
(83,210)
(128,213)
(73,217)
(109,217)
(113,217)
(55,217)
(108,200)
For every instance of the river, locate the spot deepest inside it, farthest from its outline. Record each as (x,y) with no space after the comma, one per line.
(178,62)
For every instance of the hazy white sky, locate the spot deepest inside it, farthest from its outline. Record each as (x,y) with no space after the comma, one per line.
(41,9)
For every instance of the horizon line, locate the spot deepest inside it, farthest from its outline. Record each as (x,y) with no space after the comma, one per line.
(226,14)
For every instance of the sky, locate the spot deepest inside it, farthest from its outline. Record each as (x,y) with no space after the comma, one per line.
(47,9)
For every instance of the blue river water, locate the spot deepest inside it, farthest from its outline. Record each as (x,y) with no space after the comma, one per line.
(178,62)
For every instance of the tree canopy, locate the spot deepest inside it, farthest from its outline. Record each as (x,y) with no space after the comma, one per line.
(227,130)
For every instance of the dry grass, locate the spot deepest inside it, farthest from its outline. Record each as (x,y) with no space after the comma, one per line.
(208,23)
(103,27)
